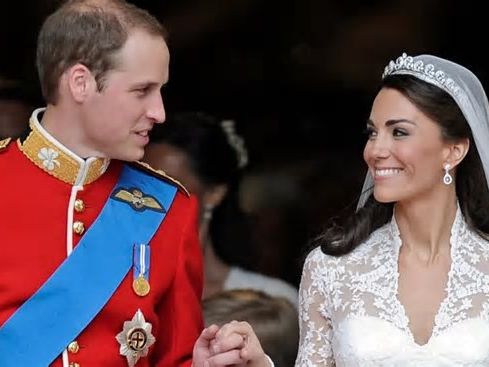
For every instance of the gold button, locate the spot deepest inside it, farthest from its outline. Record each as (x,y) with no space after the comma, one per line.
(79,205)
(78,227)
(74,364)
(73,347)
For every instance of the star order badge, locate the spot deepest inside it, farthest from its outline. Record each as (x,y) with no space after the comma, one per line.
(135,338)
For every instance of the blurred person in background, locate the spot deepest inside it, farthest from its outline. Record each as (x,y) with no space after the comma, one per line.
(16,105)
(209,156)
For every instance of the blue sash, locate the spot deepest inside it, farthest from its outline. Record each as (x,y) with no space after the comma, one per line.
(38,332)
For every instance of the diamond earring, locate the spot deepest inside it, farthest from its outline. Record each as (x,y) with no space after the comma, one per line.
(447,178)
(207,214)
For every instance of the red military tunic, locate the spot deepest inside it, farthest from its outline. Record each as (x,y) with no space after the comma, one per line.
(50,198)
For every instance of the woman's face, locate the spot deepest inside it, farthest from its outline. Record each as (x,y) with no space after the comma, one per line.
(405,152)
(176,164)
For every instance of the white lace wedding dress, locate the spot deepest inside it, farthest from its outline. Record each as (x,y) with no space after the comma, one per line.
(350,314)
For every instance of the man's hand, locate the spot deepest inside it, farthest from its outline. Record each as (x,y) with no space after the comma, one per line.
(234,344)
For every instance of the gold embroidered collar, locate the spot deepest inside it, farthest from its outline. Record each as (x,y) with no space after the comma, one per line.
(54,158)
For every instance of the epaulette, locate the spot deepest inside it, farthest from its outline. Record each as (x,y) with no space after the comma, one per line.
(159,174)
(4,143)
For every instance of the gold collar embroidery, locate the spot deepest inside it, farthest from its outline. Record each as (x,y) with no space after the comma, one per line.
(54,158)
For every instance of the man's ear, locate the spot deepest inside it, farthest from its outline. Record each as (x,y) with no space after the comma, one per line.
(79,82)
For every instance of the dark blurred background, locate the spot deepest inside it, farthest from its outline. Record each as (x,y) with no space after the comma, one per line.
(298,76)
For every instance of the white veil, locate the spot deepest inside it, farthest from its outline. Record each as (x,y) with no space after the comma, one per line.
(464,87)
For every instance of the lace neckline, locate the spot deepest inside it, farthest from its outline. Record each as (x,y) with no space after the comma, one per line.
(457,226)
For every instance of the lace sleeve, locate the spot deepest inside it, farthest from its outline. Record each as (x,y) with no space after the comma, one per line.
(314,321)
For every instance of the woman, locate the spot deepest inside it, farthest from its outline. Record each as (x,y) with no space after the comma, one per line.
(405,280)
(208,157)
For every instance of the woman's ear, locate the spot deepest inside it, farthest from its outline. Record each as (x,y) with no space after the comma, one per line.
(457,152)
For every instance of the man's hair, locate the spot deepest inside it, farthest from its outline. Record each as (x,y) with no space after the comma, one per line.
(90,32)
(274,320)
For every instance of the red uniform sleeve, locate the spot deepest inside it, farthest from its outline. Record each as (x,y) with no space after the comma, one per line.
(181,309)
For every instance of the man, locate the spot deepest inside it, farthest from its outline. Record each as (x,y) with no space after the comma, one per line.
(100,263)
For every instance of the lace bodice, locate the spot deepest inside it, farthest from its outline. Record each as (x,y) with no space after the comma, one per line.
(350,314)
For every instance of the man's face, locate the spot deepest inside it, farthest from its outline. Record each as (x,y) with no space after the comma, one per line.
(117,119)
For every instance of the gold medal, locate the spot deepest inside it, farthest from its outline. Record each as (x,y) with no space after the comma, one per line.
(141,286)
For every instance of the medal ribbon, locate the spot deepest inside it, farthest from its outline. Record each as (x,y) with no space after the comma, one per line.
(141,261)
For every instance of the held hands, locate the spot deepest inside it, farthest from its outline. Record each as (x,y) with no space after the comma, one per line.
(234,344)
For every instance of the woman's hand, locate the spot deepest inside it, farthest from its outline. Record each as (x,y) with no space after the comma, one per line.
(251,353)
(234,344)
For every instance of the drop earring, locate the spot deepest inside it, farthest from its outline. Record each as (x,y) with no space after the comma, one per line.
(207,214)
(447,178)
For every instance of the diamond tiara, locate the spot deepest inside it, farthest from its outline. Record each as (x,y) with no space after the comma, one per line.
(236,142)
(407,65)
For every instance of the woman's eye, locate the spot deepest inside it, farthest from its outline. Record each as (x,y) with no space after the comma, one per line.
(399,132)
(371,133)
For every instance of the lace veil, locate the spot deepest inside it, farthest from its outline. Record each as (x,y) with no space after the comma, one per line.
(464,87)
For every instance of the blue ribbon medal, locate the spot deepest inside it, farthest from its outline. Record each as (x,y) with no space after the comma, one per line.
(141,261)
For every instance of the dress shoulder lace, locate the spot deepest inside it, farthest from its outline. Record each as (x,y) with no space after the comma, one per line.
(350,314)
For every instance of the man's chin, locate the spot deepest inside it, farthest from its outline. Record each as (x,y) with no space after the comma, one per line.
(126,157)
